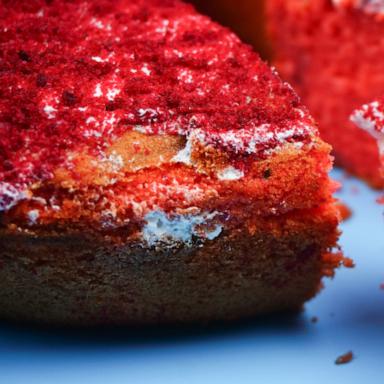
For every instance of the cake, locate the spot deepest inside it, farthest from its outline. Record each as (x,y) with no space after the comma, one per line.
(153,169)
(331,52)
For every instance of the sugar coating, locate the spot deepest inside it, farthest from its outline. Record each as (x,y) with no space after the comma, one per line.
(161,228)
(156,67)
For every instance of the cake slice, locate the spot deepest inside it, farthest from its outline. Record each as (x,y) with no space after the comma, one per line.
(153,169)
(331,52)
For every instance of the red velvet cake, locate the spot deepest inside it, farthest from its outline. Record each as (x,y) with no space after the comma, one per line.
(332,51)
(152,169)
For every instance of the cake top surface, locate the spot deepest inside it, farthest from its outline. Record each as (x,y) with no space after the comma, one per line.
(76,75)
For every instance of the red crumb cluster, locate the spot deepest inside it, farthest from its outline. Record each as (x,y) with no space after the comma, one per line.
(77,75)
(344,359)
(344,211)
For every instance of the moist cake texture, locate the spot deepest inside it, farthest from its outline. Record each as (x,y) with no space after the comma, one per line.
(152,169)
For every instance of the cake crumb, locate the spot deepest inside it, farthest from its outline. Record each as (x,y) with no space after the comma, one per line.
(348,262)
(344,210)
(345,359)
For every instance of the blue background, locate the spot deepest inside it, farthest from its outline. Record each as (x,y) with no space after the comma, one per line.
(288,350)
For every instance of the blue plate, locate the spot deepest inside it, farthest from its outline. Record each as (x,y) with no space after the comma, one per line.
(285,350)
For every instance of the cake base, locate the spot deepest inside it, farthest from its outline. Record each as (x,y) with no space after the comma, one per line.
(79,281)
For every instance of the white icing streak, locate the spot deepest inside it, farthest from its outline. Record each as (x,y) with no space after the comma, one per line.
(184,156)
(230,174)
(179,228)
(256,140)
(10,196)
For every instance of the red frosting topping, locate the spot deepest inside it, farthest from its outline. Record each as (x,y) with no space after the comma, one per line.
(75,75)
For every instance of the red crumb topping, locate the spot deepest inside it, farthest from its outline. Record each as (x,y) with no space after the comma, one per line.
(344,359)
(77,75)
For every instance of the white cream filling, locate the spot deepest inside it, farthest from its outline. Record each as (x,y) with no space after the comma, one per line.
(33,216)
(230,174)
(184,156)
(10,196)
(161,228)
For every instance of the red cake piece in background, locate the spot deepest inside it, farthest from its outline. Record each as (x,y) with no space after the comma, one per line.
(332,53)
(153,169)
